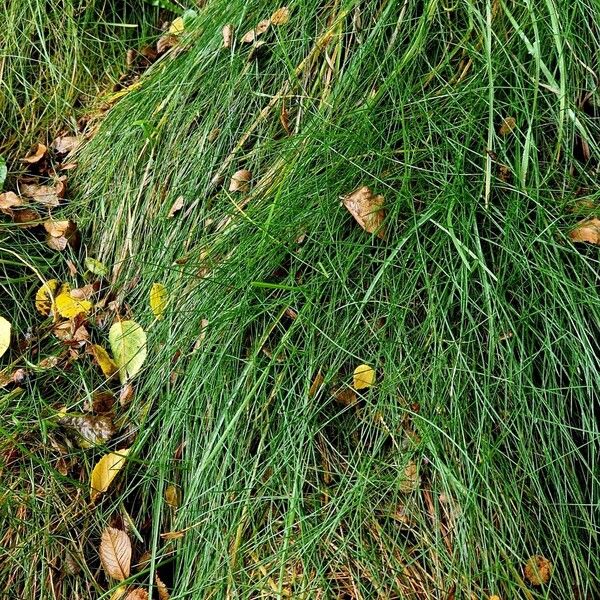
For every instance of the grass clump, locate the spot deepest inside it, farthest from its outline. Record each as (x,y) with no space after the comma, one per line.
(475,448)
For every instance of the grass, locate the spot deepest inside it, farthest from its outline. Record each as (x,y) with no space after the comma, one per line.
(478,314)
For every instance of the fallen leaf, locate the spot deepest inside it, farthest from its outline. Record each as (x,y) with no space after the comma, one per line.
(8,201)
(102,402)
(119,593)
(83,293)
(56,243)
(240,181)
(90,430)
(163,592)
(367,209)
(106,469)
(177,206)
(345,396)
(95,266)
(315,386)
(227,35)
(69,307)
(364,377)
(46,195)
(66,144)
(26,217)
(137,594)
(44,297)
(508,124)
(538,570)
(166,42)
(5,328)
(172,496)
(411,480)
(115,553)
(128,344)
(159,298)
(105,362)
(281,16)
(177,26)
(36,155)
(587,231)
(252,35)
(126,395)
(172,535)
(58,228)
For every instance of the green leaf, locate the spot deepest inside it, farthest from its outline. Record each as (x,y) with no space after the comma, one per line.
(96,267)
(128,344)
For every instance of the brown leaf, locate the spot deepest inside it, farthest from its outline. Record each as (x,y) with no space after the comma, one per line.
(587,231)
(8,201)
(126,395)
(316,384)
(252,35)
(36,155)
(240,181)
(411,480)
(227,35)
(56,243)
(65,144)
(137,594)
(508,124)
(58,228)
(166,42)
(47,195)
(345,396)
(26,217)
(538,570)
(115,553)
(102,402)
(281,16)
(367,209)
(163,592)
(177,206)
(92,430)
(172,535)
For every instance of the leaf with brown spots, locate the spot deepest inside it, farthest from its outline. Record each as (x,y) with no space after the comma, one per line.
(508,124)
(538,570)
(367,209)
(240,181)
(252,35)
(44,297)
(281,16)
(35,155)
(587,231)
(115,553)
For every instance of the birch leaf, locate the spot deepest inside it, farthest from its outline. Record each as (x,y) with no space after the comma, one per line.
(106,469)
(105,362)
(159,298)
(69,307)
(4,335)
(115,553)
(128,344)
(364,377)
(44,297)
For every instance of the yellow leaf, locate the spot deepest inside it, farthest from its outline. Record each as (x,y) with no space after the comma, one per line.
(281,16)
(44,297)
(172,496)
(119,593)
(538,570)
(105,362)
(364,377)
(159,298)
(115,553)
(69,307)
(177,26)
(106,469)
(128,344)
(4,335)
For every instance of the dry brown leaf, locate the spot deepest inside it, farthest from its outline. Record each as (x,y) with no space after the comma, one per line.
(8,201)
(83,293)
(508,124)
(240,181)
(177,206)
(252,35)
(126,395)
(137,594)
(26,217)
(281,16)
(173,496)
(47,195)
(102,402)
(367,209)
(105,362)
(411,480)
(115,553)
(227,35)
(538,570)
(36,155)
(172,535)
(66,144)
(90,429)
(345,396)
(315,386)
(166,42)
(56,243)
(106,469)
(587,231)
(58,228)
(163,592)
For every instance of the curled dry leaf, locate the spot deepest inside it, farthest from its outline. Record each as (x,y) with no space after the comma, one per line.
(8,201)
(5,328)
(315,386)
(587,231)
(46,195)
(281,16)
(411,479)
(65,144)
(177,206)
(166,42)
(83,293)
(367,209)
(252,35)
(115,553)
(36,155)
(126,395)
(69,307)
(58,228)
(105,362)
(44,297)
(128,344)
(106,469)
(163,592)
(538,570)
(227,35)
(137,594)
(26,217)
(364,377)
(240,181)
(345,396)
(172,535)
(159,298)
(508,124)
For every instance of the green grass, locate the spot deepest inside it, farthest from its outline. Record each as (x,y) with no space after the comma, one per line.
(478,314)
